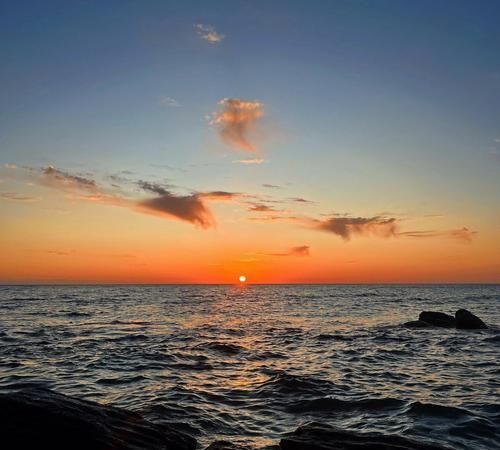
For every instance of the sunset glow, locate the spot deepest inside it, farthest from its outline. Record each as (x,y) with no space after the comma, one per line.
(158,148)
(243,279)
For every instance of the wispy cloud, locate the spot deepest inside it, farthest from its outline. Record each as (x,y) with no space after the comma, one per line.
(189,208)
(10,166)
(271,186)
(461,234)
(250,161)
(261,207)
(219,195)
(53,177)
(169,102)
(299,200)
(208,33)
(301,250)
(279,218)
(15,197)
(347,227)
(237,123)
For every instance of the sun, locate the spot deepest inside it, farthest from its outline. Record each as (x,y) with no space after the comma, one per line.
(243,278)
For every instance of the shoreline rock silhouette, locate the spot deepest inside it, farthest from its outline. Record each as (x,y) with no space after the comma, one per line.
(42,418)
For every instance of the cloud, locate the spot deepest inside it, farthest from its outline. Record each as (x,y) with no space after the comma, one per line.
(169,102)
(219,195)
(189,208)
(250,161)
(155,188)
(461,234)
(278,218)
(237,122)
(301,250)
(299,200)
(261,207)
(61,252)
(55,178)
(208,33)
(346,227)
(271,186)
(14,197)
(10,166)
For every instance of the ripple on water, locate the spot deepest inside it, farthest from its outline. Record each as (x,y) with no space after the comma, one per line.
(251,364)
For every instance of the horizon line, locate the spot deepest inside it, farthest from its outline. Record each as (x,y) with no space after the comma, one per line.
(439,283)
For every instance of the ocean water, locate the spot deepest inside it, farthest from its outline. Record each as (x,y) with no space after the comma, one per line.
(249,363)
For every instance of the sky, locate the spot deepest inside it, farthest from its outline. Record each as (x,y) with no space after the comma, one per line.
(287,141)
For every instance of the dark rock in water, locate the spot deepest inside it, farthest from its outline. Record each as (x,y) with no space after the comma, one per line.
(315,436)
(40,418)
(438,319)
(417,324)
(467,321)
(226,445)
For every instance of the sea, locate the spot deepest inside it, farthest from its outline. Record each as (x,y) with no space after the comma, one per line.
(249,363)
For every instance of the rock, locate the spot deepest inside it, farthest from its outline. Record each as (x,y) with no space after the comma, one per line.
(467,321)
(315,436)
(40,418)
(417,324)
(226,445)
(438,319)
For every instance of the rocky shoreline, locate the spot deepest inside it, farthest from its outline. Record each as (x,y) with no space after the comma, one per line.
(41,418)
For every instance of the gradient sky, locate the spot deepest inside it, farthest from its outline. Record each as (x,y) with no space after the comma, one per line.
(289,141)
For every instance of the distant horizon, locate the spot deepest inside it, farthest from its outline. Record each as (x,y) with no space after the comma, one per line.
(253,284)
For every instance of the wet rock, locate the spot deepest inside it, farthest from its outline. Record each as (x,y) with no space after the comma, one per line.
(417,324)
(465,320)
(315,436)
(40,418)
(438,319)
(226,445)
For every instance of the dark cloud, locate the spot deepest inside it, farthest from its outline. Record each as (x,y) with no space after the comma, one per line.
(461,234)
(299,200)
(301,250)
(346,227)
(219,195)
(62,180)
(261,207)
(271,186)
(189,208)
(155,188)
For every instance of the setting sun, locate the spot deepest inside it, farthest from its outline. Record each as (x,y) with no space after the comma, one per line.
(243,278)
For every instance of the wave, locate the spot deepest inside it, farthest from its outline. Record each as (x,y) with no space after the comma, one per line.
(129,337)
(78,314)
(122,380)
(431,409)
(338,405)
(286,383)
(334,337)
(222,347)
